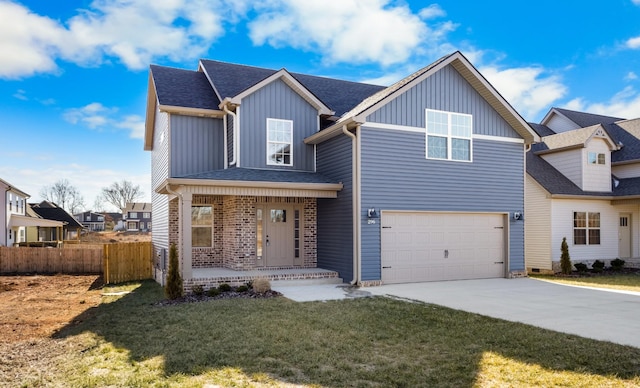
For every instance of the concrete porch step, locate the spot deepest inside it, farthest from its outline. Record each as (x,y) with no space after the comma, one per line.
(305,282)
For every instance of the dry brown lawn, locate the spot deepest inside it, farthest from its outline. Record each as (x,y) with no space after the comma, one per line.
(32,309)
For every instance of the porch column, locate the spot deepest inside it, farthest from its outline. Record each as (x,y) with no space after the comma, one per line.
(187,272)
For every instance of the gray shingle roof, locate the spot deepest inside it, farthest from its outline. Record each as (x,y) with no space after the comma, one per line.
(556,183)
(183,88)
(542,130)
(51,211)
(584,119)
(259,175)
(340,96)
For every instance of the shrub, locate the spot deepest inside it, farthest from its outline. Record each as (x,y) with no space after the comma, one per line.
(581,267)
(213,292)
(617,264)
(597,266)
(224,287)
(242,288)
(173,289)
(565,259)
(261,285)
(198,290)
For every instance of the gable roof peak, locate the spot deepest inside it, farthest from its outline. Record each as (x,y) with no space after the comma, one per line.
(577,138)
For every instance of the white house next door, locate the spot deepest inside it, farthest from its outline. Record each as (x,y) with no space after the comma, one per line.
(624,236)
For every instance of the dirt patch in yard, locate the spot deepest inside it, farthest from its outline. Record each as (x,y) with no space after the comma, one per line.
(34,307)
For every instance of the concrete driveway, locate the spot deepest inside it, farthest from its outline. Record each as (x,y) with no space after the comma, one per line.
(593,313)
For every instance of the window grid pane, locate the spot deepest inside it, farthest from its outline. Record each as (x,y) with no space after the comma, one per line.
(448,135)
(279,142)
(460,149)
(437,147)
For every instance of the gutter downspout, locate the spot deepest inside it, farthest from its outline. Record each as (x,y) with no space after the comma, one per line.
(354,205)
(180,227)
(236,131)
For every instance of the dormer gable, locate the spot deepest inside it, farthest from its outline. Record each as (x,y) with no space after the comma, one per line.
(583,155)
(563,120)
(288,79)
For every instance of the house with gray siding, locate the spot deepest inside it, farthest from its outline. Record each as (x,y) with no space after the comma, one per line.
(583,184)
(258,169)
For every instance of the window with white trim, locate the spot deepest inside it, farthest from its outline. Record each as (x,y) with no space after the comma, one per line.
(279,142)
(586,228)
(448,135)
(201,226)
(596,158)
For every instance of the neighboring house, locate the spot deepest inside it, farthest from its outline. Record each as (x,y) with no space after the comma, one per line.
(137,217)
(255,168)
(583,183)
(15,217)
(50,211)
(94,222)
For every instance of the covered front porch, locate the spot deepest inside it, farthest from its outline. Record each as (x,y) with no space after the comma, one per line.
(236,231)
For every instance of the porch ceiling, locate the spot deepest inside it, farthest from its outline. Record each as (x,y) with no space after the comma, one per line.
(18,220)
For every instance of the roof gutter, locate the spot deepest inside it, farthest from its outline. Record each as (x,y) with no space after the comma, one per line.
(236,132)
(333,131)
(355,206)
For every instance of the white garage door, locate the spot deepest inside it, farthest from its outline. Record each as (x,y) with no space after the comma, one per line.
(419,247)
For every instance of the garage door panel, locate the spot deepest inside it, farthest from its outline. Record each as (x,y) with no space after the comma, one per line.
(425,246)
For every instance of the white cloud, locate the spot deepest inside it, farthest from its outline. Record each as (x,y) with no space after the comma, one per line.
(633,43)
(28,42)
(636,2)
(131,32)
(529,89)
(625,104)
(135,124)
(21,95)
(97,116)
(432,11)
(631,75)
(356,31)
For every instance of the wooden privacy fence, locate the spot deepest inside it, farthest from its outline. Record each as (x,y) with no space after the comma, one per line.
(117,262)
(127,261)
(51,260)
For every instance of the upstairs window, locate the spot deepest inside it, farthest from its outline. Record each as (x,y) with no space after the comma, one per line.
(448,135)
(596,158)
(279,142)
(133,215)
(146,215)
(586,228)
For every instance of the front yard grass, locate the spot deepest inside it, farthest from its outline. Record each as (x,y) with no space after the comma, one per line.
(627,282)
(127,340)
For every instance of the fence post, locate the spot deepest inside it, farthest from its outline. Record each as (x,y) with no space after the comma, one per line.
(105,259)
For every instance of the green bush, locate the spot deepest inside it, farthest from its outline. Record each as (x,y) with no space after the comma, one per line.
(597,266)
(581,267)
(565,259)
(242,288)
(224,287)
(213,292)
(173,289)
(617,264)
(198,290)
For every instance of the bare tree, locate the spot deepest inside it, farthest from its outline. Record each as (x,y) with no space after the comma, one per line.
(121,193)
(65,195)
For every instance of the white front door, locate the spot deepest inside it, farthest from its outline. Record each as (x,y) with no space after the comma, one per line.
(624,236)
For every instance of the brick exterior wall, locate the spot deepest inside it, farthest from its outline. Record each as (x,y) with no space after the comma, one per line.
(234,231)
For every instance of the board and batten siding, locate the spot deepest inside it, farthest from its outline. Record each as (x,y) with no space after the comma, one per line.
(597,177)
(624,171)
(276,101)
(197,145)
(397,176)
(537,232)
(229,129)
(160,172)
(562,226)
(445,90)
(335,216)
(569,163)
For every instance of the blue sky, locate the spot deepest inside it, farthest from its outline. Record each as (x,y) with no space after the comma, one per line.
(73,74)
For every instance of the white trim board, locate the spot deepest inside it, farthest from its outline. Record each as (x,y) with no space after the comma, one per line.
(407,128)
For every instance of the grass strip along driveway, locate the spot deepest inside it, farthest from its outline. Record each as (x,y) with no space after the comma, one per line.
(127,340)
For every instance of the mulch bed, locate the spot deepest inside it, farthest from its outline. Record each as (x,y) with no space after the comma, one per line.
(604,272)
(233,294)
